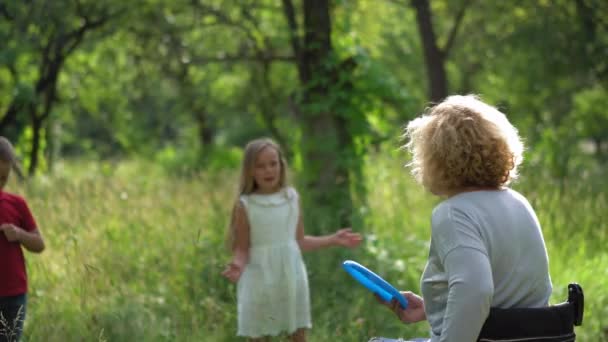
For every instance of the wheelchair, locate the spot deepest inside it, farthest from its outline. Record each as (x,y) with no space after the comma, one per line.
(554,323)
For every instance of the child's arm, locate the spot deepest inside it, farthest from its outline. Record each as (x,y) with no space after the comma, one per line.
(240,251)
(32,241)
(343,237)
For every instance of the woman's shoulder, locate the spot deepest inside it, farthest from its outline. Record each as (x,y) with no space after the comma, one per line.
(475,201)
(516,194)
(462,203)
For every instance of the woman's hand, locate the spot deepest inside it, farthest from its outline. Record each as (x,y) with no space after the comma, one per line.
(346,238)
(414,311)
(233,271)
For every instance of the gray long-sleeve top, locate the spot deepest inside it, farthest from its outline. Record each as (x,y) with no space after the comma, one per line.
(487,250)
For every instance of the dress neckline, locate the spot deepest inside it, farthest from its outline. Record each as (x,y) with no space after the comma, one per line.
(280,197)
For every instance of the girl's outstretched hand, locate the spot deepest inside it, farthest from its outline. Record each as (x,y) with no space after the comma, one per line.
(414,311)
(233,272)
(346,238)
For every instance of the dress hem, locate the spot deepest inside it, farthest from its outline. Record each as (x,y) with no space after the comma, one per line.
(275,333)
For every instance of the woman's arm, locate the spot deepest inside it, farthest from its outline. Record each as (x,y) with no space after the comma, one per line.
(471,289)
(32,240)
(343,237)
(240,252)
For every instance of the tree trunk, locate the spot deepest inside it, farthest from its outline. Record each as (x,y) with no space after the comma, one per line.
(266,98)
(57,46)
(205,132)
(34,152)
(10,117)
(325,148)
(14,122)
(433,56)
(47,86)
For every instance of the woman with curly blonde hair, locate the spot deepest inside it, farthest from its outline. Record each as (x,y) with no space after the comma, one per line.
(463,143)
(487,248)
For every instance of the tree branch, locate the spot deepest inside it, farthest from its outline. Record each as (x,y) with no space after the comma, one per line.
(227,58)
(5,14)
(457,21)
(222,17)
(399,2)
(290,15)
(268,111)
(77,35)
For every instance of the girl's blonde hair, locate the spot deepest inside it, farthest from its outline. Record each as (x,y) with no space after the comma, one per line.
(7,155)
(247,183)
(463,142)
(252,149)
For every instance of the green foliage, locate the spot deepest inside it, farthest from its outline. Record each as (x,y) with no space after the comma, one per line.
(188,161)
(194,73)
(590,117)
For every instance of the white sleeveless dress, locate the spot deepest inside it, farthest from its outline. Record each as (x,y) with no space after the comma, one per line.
(272,293)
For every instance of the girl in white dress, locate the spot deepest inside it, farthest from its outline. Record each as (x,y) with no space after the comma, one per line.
(266,239)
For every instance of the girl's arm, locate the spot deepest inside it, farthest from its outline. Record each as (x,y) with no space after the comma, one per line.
(240,249)
(343,237)
(32,241)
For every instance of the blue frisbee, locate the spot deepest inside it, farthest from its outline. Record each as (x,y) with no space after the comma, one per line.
(374,282)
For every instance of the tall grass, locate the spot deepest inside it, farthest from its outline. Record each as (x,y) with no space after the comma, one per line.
(135,254)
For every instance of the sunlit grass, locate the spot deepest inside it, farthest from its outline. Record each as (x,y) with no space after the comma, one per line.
(135,254)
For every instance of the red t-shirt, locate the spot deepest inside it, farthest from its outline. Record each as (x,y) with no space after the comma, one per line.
(13,278)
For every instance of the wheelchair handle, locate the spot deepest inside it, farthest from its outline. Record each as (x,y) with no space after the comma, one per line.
(577,299)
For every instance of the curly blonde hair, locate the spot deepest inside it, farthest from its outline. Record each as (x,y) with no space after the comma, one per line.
(463,142)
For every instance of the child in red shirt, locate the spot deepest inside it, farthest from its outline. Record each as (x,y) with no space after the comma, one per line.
(17,228)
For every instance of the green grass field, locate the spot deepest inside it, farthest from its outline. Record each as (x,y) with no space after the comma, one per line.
(135,254)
